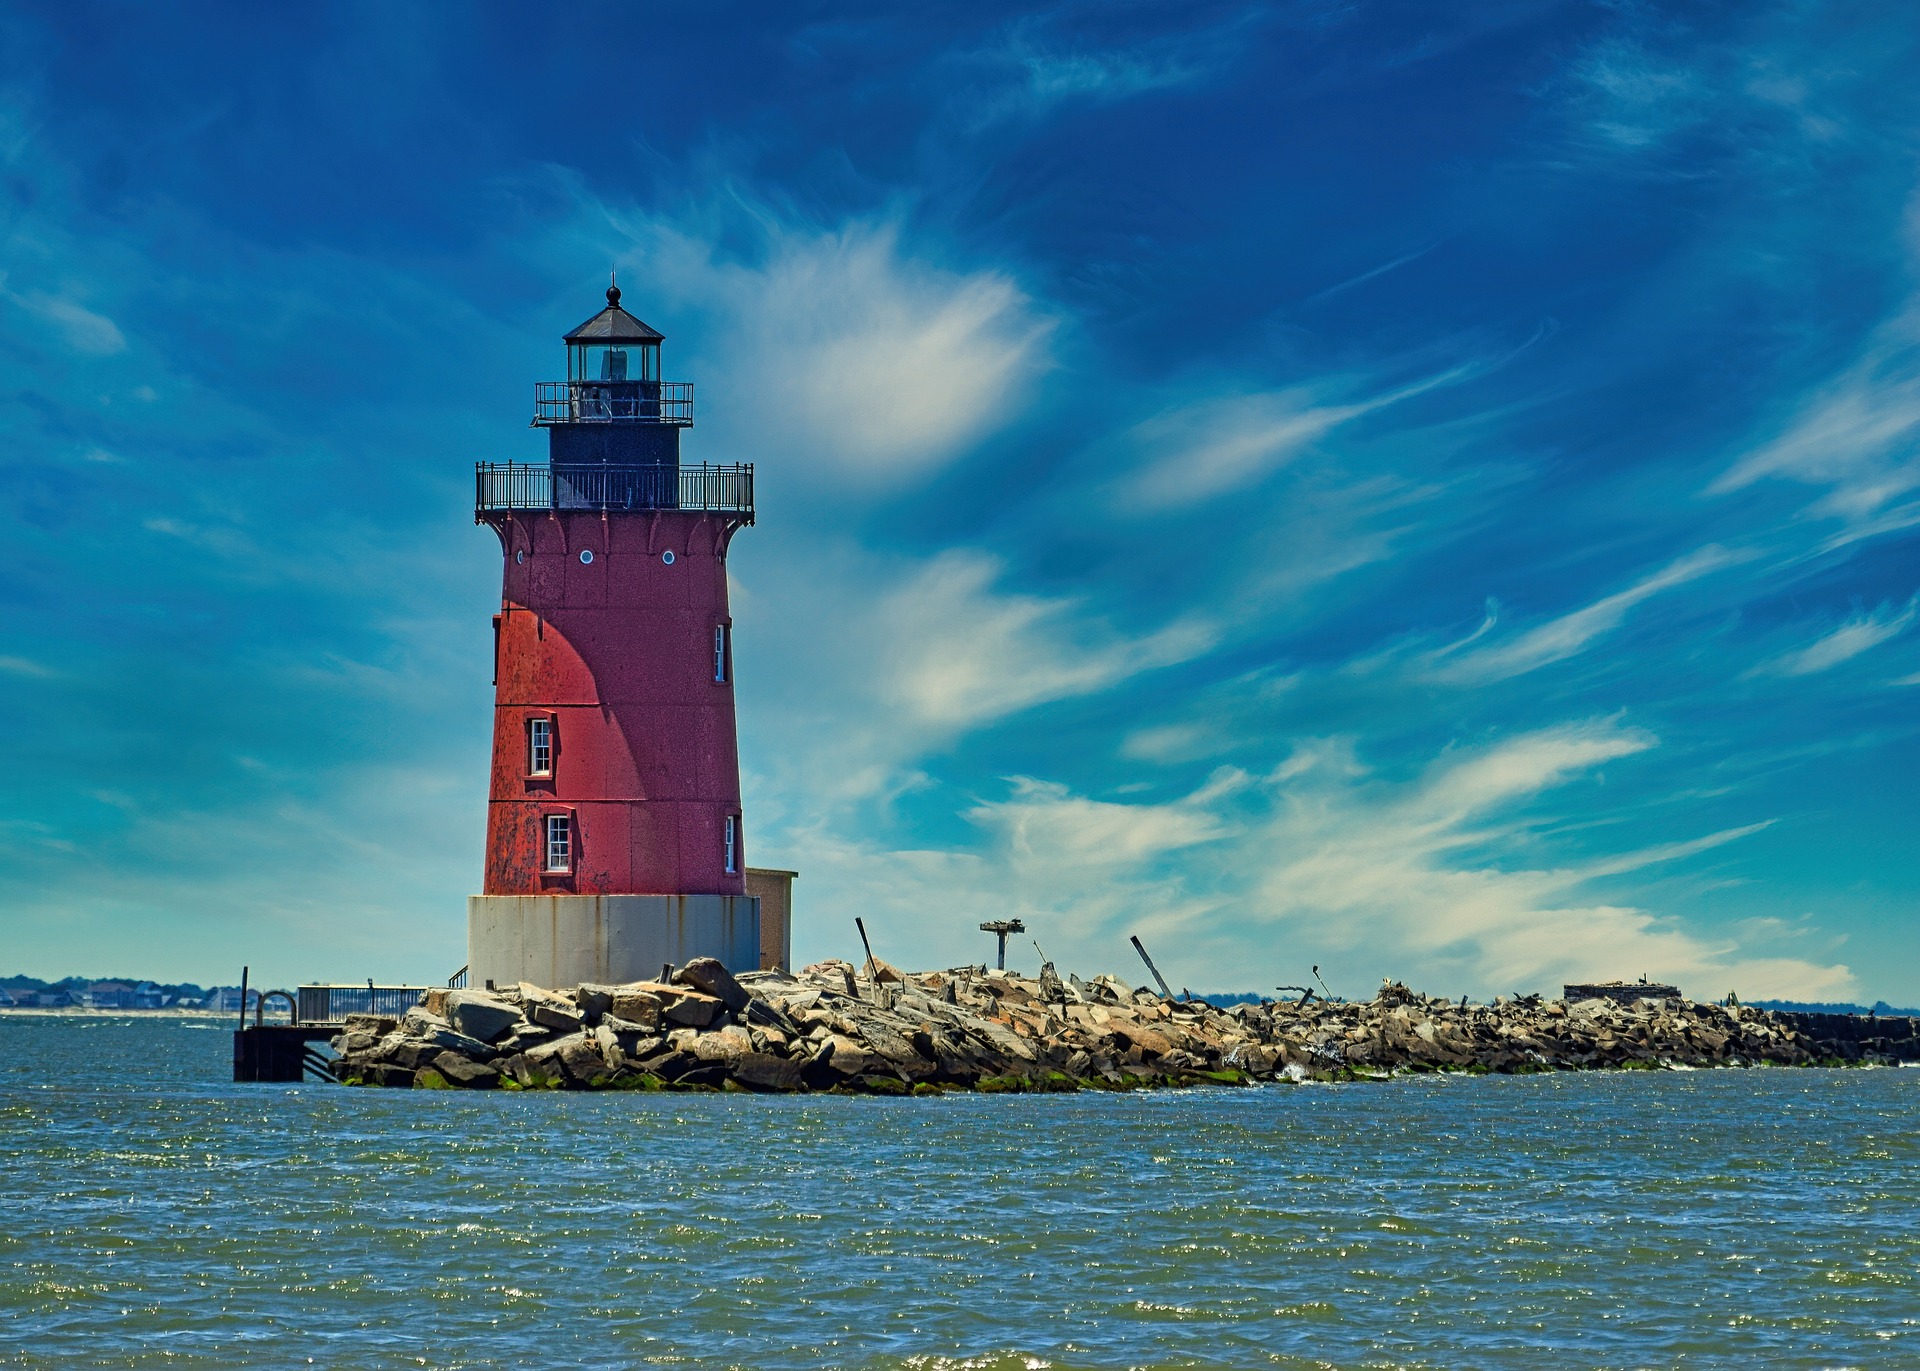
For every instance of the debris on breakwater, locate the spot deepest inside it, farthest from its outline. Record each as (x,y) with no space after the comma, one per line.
(833,1027)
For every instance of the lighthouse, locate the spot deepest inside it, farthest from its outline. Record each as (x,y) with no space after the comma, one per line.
(615,839)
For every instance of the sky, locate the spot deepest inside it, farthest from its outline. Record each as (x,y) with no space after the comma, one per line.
(1421,491)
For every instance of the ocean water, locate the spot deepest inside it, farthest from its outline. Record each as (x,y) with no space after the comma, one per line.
(158,1216)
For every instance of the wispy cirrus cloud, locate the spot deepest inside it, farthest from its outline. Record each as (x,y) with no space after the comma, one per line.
(1854,434)
(1860,632)
(1365,865)
(84,330)
(1031,68)
(961,652)
(1570,634)
(1244,880)
(1202,449)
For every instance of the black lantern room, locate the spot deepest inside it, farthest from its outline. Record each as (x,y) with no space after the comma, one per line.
(613,347)
(613,406)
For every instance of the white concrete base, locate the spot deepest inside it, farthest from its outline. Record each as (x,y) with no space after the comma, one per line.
(563,940)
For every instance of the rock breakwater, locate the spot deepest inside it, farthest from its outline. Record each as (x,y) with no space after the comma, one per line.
(832,1027)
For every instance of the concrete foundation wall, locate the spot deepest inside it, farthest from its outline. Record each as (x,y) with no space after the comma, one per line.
(562,940)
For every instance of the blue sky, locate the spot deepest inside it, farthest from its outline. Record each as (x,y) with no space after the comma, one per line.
(1425,490)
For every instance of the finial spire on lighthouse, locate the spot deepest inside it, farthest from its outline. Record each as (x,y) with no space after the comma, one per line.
(613,286)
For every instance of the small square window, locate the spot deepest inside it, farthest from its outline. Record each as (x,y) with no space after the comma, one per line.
(559,842)
(732,843)
(539,747)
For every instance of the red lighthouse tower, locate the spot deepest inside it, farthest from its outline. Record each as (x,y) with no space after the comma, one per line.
(614,837)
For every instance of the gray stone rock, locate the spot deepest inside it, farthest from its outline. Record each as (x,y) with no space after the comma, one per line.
(419,1023)
(594,1000)
(709,977)
(758,1071)
(693,1011)
(528,1035)
(385,1074)
(637,1006)
(482,1015)
(560,1020)
(766,1014)
(846,1056)
(726,1047)
(583,1060)
(459,1071)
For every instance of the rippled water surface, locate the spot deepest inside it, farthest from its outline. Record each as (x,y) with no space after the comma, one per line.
(158,1216)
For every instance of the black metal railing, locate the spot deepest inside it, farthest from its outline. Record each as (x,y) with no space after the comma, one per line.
(713,489)
(613,402)
(332,1003)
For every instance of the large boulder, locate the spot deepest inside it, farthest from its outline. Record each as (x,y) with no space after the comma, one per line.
(583,1059)
(726,1047)
(550,1010)
(759,1071)
(709,977)
(846,1056)
(637,1004)
(459,1071)
(693,1011)
(594,1000)
(482,1014)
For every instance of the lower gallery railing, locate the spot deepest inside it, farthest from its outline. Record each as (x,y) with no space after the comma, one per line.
(720,489)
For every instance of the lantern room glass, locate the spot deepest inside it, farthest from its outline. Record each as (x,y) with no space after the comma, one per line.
(615,362)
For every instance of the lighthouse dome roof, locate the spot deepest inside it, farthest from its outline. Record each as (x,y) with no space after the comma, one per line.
(614,325)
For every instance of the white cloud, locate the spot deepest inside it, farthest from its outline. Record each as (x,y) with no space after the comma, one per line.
(868,361)
(26,666)
(1381,876)
(1036,76)
(1200,450)
(1858,435)
(1859,633)
(1558,639)
(1632,100)
(870,683)
(84,331)
(1043,826)
(958,653)
(1238,885)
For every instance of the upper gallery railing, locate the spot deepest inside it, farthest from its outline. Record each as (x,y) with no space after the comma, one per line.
(715,489)
(613,402)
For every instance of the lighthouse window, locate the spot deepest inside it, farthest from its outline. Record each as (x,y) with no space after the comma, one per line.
(559,843)
(539,747)
(733,843)
(720,652)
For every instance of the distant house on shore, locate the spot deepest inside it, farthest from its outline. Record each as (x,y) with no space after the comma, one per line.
(120,995)
(41,999)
